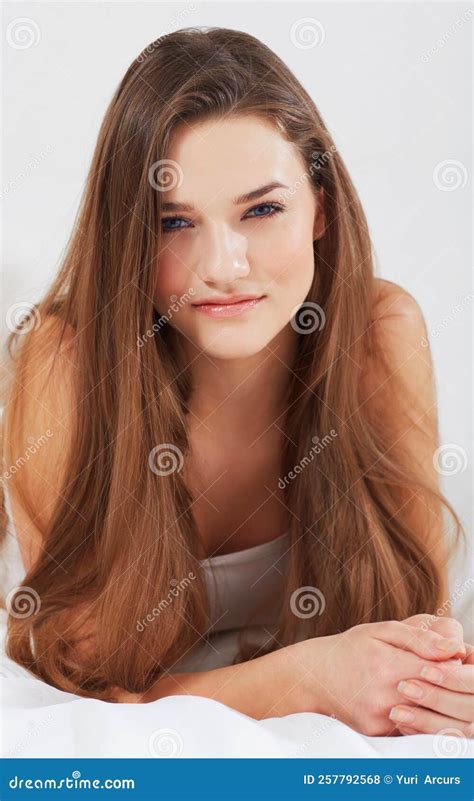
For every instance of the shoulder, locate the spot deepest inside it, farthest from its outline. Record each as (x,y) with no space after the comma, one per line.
(395,309)
(42,380)
(399,359)
(399,332)
(49,345)
(36,429)
(400,397)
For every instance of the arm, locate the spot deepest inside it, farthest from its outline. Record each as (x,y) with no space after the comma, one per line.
(43,417)
(272,685)
(351,676)
(400,333)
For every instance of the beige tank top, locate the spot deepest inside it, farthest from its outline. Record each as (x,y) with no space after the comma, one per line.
(243,585)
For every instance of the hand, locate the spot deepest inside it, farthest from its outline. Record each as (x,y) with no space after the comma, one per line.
(444,704)
(446,626)
(360,669)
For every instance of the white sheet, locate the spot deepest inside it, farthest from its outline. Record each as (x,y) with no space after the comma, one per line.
(40,721)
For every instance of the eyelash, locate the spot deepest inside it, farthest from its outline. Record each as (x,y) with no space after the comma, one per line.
(276,209)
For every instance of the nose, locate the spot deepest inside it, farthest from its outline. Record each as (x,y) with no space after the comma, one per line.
(222,254)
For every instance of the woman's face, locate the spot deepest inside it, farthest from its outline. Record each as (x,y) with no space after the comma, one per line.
(223,245)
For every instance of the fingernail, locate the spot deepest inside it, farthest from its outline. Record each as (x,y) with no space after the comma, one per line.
(449,645)
(402,715)
(432,674)
(410,689)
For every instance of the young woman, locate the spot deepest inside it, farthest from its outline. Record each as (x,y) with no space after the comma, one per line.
(235,421)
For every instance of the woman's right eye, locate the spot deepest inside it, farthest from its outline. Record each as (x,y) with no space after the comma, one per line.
(171,227)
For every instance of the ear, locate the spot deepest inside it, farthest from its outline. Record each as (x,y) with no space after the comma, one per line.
(319,217)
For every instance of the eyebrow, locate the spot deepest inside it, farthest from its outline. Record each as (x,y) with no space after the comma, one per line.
(238,201)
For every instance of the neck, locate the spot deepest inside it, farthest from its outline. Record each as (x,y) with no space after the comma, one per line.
(242,395)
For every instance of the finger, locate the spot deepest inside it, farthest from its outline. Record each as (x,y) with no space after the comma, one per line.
(451,675)
(419,620)
(446,626)
(447,702)
(407,730)
(426,644)
(429,722)
(469,658)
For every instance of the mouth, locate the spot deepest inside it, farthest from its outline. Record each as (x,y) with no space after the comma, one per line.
(228,309)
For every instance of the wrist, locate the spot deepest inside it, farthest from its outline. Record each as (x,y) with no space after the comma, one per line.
(314,662)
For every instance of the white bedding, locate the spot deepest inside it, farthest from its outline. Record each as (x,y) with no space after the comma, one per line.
(40,721)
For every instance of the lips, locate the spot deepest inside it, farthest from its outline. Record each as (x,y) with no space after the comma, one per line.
(220,300)
(231,307)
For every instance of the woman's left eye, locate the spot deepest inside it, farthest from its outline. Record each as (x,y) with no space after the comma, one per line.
(274,208)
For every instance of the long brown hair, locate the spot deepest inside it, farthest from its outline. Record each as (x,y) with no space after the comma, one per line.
(136,536)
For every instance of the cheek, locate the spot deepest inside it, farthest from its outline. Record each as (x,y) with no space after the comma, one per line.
(289,261)
(171,279)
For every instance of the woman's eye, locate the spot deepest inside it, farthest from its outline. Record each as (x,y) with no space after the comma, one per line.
(262,210)
(266,210)
(168,224)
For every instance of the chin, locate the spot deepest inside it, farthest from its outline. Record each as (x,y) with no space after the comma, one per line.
(232,345)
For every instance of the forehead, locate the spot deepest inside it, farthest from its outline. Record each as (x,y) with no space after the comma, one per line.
(225,157)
